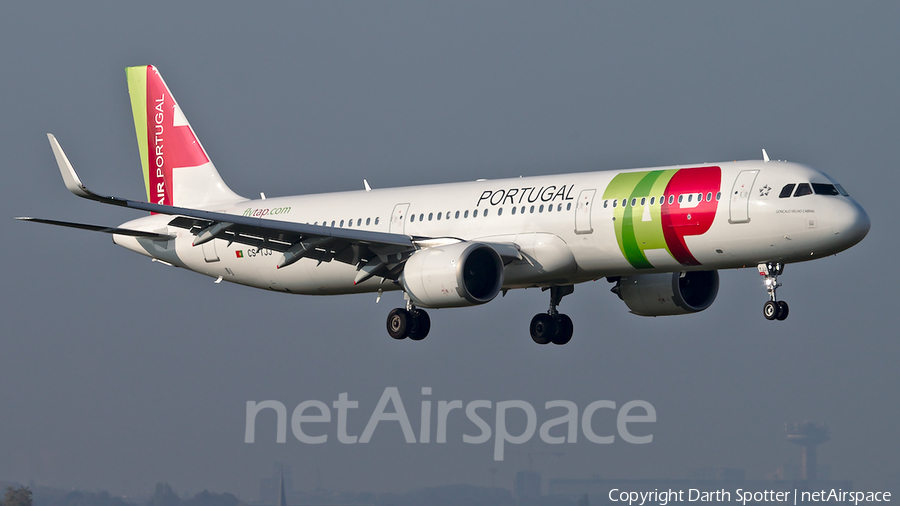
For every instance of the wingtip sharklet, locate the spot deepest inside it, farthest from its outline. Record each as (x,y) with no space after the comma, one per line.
(70,177)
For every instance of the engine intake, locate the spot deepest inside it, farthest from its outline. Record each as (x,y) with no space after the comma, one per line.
(668,293)
(456,275)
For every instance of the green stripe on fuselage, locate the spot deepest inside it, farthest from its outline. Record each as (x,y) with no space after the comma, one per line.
(639,227)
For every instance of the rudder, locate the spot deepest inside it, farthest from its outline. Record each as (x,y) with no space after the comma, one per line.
(177,171)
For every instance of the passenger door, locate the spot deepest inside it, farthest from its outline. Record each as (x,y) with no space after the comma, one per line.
(740,197)
(583,212)
(398,218)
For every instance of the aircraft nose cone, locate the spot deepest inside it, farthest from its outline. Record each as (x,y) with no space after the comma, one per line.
(852,224)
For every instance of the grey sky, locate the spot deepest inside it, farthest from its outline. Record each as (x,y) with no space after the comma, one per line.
(117,373)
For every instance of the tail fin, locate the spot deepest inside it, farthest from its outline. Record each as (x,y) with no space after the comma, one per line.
(177,170)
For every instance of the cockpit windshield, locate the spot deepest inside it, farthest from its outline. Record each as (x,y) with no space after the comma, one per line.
(803,189)
(825,189)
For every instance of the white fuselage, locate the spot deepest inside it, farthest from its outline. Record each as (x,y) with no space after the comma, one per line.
(565,225)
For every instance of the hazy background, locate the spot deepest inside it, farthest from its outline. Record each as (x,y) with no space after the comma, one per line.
(116,372)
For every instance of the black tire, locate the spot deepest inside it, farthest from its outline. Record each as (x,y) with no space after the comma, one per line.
(770,310)
(398,323)
(421,324)
(783,311)
(566,329)
(543,328)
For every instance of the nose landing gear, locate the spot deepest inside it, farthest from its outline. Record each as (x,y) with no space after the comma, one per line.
(773,309)
(552,326)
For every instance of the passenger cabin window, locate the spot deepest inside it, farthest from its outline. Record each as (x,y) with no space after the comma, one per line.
(786,191)
(803,189)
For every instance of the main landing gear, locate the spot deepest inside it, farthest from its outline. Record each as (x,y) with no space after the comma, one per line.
(552,326)
(773,309)
(411,322)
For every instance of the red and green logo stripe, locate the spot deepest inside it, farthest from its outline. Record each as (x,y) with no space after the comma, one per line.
(684,204)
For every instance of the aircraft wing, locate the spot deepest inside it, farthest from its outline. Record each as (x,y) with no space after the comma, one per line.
(374,253)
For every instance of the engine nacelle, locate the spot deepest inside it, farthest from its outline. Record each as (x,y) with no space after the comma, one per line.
(460,274)
(668,293)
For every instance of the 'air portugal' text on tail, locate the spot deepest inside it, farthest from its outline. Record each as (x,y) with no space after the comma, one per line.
(177,170)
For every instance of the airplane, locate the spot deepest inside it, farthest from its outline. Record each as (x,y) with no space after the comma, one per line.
(660,235)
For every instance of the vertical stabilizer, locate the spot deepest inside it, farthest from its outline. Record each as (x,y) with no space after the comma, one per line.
(177,170)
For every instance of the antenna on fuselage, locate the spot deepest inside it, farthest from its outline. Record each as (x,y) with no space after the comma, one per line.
(765,155)
(366,184)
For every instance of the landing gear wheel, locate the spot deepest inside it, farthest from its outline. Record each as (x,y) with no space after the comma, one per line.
(543,328)
(770,310)
(564,334)
(398,323)
(783,311)
(421,324)
(774,309)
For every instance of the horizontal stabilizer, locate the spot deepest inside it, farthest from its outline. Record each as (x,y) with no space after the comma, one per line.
(99,228)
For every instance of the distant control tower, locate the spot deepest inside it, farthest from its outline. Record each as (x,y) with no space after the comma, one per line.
(808,435)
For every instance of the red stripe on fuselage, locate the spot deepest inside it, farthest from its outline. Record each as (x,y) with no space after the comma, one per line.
(679,221)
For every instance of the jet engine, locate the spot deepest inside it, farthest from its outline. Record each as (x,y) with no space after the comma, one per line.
(668,293)
(459,274)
